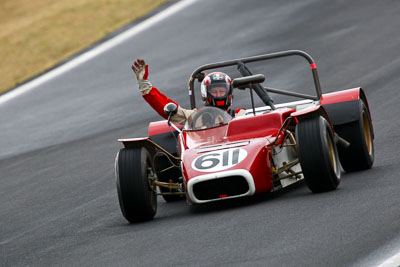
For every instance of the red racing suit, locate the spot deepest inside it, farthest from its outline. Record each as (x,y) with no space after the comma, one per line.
(158,100)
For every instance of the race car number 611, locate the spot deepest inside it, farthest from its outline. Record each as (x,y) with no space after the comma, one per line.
(219,160)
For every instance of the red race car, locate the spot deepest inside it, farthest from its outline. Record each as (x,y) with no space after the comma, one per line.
(218,157)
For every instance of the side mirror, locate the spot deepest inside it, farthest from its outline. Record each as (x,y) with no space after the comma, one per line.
(248,80)
(170,109)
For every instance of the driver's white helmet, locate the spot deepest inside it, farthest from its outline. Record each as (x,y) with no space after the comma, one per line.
(216,90)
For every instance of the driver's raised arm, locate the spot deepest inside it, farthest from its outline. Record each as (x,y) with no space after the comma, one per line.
(155,98)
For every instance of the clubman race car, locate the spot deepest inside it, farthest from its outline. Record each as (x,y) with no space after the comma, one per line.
(216,157)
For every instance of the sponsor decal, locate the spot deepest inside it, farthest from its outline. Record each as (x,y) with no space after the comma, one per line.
(219,160)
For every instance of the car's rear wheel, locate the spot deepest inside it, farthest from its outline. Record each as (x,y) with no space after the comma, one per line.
(360,154)
(134,171)
(318,154)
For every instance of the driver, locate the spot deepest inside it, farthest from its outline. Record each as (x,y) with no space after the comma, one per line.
(216,90)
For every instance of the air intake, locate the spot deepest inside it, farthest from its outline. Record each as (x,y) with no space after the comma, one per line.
(220,188)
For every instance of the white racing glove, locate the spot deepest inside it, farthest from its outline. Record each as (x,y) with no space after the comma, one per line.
(141,71)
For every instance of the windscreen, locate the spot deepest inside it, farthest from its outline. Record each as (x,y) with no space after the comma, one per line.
(208,117)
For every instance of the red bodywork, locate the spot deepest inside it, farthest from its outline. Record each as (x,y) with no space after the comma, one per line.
(260,131)
(341,96)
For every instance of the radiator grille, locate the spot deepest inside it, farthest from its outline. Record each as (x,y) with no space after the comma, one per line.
(220,188)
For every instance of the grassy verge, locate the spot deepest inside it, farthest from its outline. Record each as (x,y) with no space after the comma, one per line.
(37,34)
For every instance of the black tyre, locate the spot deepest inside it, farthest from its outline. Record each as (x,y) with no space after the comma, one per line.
(165,176)
(137,200)
(360,154)
(318,154)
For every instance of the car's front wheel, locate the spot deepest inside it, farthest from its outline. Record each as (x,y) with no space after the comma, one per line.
(318,154)
(134,171)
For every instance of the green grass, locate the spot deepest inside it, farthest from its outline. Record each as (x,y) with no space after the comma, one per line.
(37,34)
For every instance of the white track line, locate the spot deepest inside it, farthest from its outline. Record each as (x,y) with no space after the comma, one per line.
(392,262)
(96,51)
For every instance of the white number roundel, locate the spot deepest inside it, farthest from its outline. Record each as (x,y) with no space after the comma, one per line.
(219,160)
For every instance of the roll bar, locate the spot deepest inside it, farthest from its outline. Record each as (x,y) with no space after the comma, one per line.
(240,63)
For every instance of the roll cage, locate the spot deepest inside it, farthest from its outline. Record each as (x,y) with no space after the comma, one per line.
(262,92)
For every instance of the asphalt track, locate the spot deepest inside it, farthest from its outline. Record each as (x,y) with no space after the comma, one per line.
(58,201)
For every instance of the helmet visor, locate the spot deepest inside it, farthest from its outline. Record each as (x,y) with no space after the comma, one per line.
(217,90)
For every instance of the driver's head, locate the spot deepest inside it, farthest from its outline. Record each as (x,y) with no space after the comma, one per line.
(216,90)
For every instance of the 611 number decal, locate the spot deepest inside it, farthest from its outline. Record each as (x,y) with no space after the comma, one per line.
(219,160)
